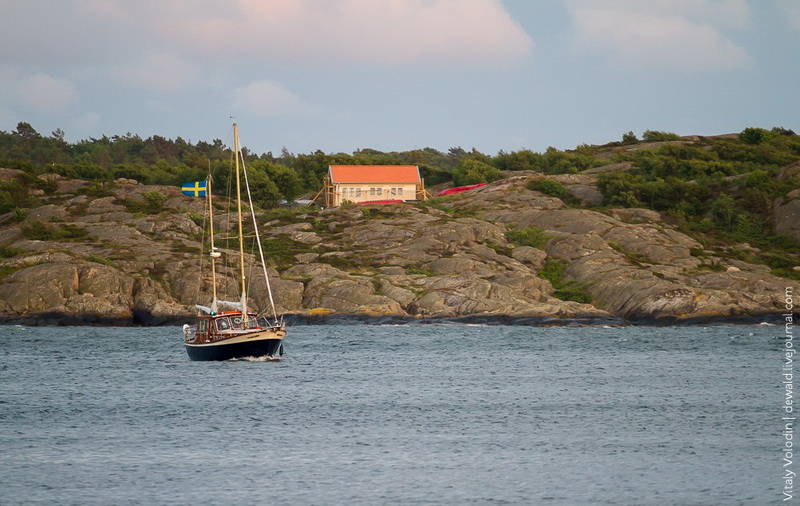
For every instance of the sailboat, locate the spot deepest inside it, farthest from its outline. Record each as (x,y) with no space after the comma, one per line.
(226,330)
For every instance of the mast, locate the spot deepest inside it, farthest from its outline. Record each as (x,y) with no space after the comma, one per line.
(239,218)
(213,254)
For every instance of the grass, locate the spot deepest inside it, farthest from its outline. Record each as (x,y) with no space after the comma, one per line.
(372,213)
(342,263)
(9,252)
(99,260)
(444,204)
(534,237)
(152,203)
(8,269)
(41,231)
(279,251)
(284,214)
(636,258)
(421,271)
(553,271)
(712,267)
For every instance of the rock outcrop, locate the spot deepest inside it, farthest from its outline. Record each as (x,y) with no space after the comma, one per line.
(104,258)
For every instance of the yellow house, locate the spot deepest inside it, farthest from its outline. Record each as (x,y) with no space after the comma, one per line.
(373,183)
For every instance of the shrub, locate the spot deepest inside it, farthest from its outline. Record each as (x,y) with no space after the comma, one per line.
(9,252)
(472,171)
(151,203)
(154,199)
(553,271)
(421,271)
(753,135)
(629,138)
(549,187)
(657,135)
(534,237)
(41,231)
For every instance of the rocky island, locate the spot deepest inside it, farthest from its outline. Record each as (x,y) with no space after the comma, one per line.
(529,247)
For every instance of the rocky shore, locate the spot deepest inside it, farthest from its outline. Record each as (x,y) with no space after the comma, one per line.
(92,255)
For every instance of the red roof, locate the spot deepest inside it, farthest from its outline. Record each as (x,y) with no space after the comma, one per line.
(374,174)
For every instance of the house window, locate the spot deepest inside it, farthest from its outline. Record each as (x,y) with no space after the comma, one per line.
(397,192)
(375,192)
(351,192)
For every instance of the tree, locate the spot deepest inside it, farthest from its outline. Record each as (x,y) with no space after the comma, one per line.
(471,171)
(286,179)
(658,135)
(753,135)
(265,193)
(629,138)
(724,209)
(26,131)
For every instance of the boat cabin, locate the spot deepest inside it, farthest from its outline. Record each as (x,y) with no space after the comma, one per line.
(222,325)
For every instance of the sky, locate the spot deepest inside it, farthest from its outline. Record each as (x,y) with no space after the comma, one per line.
(396,75)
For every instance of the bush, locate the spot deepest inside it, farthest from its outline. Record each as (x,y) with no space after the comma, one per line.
(629,138)
(41,231)
(473,171)
(549,187)
(151,203)
(9,252)
(657,135)
(534,237)
(553,271)
(753,135)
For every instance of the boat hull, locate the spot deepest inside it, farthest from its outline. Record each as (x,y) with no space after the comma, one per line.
(267,343)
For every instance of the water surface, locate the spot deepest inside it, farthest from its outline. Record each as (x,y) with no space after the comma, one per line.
(408,414)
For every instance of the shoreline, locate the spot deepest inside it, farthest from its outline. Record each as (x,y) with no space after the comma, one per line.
(56,320)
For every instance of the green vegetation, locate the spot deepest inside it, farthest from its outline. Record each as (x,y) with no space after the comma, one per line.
(554,189)
(43,231)
(553,271)
(474,171)
(280,251)
(9,252)
(420,271)
(529,236)
(634,257)
(99,260)
(656,135)
(376,212)
(719,190)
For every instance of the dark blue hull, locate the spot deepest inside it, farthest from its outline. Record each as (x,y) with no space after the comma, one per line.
(226,351)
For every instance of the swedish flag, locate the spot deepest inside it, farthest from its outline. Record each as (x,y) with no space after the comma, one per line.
(195,189)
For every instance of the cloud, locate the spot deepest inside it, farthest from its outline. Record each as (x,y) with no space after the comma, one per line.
(791,8)
(159,73)
(269,99)
(87,121)
(389,32)
(44,93)
(674,34)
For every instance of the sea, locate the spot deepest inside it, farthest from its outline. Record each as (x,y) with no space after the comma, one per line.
(412,414)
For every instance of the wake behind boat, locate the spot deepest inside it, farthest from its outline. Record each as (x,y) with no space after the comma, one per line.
(236,333)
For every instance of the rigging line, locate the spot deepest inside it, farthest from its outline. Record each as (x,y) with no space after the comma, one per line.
(202,252)
(258,240)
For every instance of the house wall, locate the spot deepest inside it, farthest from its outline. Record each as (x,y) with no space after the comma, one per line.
(364,192)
